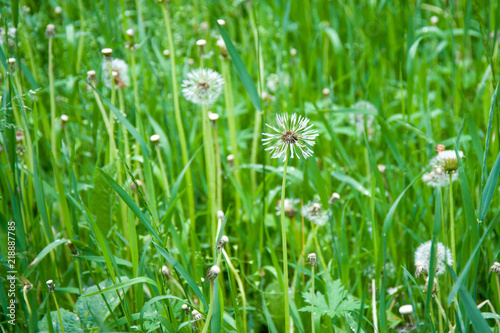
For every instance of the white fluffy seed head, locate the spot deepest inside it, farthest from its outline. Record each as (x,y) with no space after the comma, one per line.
(434,19)
(202,86)
(201,42)
(292,135)
(293,52)
(423,258)
(221,22)
(220,215)
(185,307)
(130,32)
(119,73)
(495,268)
(311,258)
(64,118)
(12,61)
(314,212)
(166,53)
(326,92)
(448,160)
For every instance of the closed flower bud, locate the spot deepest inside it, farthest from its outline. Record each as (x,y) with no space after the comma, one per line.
(335,196)
(213,272)
(223,241)
(51,285)
(311,258)
(50,31)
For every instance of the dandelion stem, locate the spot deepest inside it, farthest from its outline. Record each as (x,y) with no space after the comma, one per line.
(180,128)
(498,287)
(284,242)
(312,300)
(52,100)
(58,312)
(452,220)
(210,308)
(240,285)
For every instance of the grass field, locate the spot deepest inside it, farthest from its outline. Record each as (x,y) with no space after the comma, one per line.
(138,193)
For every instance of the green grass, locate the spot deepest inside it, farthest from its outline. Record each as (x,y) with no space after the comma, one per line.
(100,209)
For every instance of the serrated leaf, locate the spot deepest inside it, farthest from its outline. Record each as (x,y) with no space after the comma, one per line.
(92,310)
(71,322)
(103,198)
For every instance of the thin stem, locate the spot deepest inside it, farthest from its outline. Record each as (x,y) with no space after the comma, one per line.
(452,220)
(240,285)
(52,101)
(498,287)
(284,242)
(312,300)
(58,312)
(178,121)
(210,308)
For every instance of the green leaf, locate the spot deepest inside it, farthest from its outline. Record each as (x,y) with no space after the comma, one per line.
(171,260)
(91,307)
(130,202)
(71,322)
(242,71)
(103,198)
(123,284)
(42,255)
(489,188)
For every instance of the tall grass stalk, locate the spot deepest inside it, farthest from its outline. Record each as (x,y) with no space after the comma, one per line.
(52,93)
(452,225)
(312,300)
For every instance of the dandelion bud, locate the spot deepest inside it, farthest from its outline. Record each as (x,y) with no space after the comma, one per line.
(64,119)
(335,196)
(166,53)
(406,312)
(190,61)
(220,215)
(196,315)
(222,48)
(223,241)
(311,258)
(130,33)
(155,138)
(213,116)
(50,31)
(439,148)
(185,307)
(289,208)
(221,22)
(27,285)
(19,136)
(165,272)
(434,19)
(293,52)
(12,62)
(230,159)
(51,285)
(326,92)
(495,268)
(72,248)
(213,272)
(58,10)
(381,168)
(107,52)
(91,77)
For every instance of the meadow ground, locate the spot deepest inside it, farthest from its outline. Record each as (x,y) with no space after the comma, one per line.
(141,189)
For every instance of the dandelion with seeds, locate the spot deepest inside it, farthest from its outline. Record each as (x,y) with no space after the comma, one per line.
(115,71)
(314,212)
(292,135)
(203,86)
(423,258)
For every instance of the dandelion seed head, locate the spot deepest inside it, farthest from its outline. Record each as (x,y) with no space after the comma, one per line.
(196,315)
(221,22)
(291,133)
(315,213)
(202,86)
(423,258)
(51,285)
(289,204)
(118,74)
(448,160)
(358,120)
(273,81)
(495,268)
